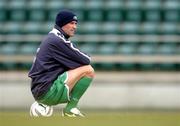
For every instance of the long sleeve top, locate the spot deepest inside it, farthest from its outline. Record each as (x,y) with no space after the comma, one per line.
(55,55)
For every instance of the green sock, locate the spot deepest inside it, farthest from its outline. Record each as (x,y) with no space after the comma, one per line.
(77,91)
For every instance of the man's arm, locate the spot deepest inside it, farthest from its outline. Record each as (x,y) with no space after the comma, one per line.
(68,55)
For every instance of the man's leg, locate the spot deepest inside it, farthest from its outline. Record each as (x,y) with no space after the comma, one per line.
(76,74)
(78,80)
(77,91)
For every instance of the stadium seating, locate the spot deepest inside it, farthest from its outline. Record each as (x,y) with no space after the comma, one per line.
(36,4)
(75,4)
(94,4)
(2,15)
(11,28)
(127,66)
(107,48)
(167,49)
(20,4)
(147,49)
(171,4)
(153,15)
(55,4)
(32,28)
(37,15)
(110,28)
(169,28)
(114,4)
(152,4)
(133,15)
(113,15)
(18,15)
(89,48)
(89,28)
(127,49)
(150,28)
(9,48)
(139,27)
(28,49)
(3,12)
(95,15)
(130,28)
(172,16)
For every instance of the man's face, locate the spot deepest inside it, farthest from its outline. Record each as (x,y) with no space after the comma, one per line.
(70,28)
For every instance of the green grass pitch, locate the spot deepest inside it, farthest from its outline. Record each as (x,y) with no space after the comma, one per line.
(99,118)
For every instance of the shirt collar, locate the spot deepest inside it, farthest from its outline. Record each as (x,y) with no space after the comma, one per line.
(60,30)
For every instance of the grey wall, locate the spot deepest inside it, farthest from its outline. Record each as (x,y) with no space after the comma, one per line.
(99,95)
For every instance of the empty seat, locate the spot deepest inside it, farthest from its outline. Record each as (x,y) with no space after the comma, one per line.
(114,10)
(152,4)
(146,66)
(18,15)
(37,15)
(126,66)
(110,28)
(17,4)
(150,28)
(107,48)
(171,4)
(94,10)
(28,49)
(172,15)
(134,4)
(24,65)
(167,66)
(127,48)
(167,49)
(3,4)
(146,49)
(3,10)
(46,27)
(55,4)
(36,4)
(37,10)
(178,49)
(9,49)
(133,15)
(32,28)
(2,27)
(8,65)
(130,28)
(76,4)
(12,28)
(3,15)
(94,4)
(36,27)
(105,66)
(52,14)
(115,4)
(169,28)
(89,28)
(95,15)
(153,15)
(114,15)
(89,48)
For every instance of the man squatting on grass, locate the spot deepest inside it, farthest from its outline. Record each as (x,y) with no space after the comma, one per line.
(60,73)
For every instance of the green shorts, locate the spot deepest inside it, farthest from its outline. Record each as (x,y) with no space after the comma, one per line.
(58,93)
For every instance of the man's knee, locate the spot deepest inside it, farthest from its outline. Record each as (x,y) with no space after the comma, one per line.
(89,71)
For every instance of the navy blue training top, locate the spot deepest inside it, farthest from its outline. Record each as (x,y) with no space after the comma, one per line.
(55,55)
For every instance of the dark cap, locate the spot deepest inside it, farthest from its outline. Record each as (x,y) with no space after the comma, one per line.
(64,17)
